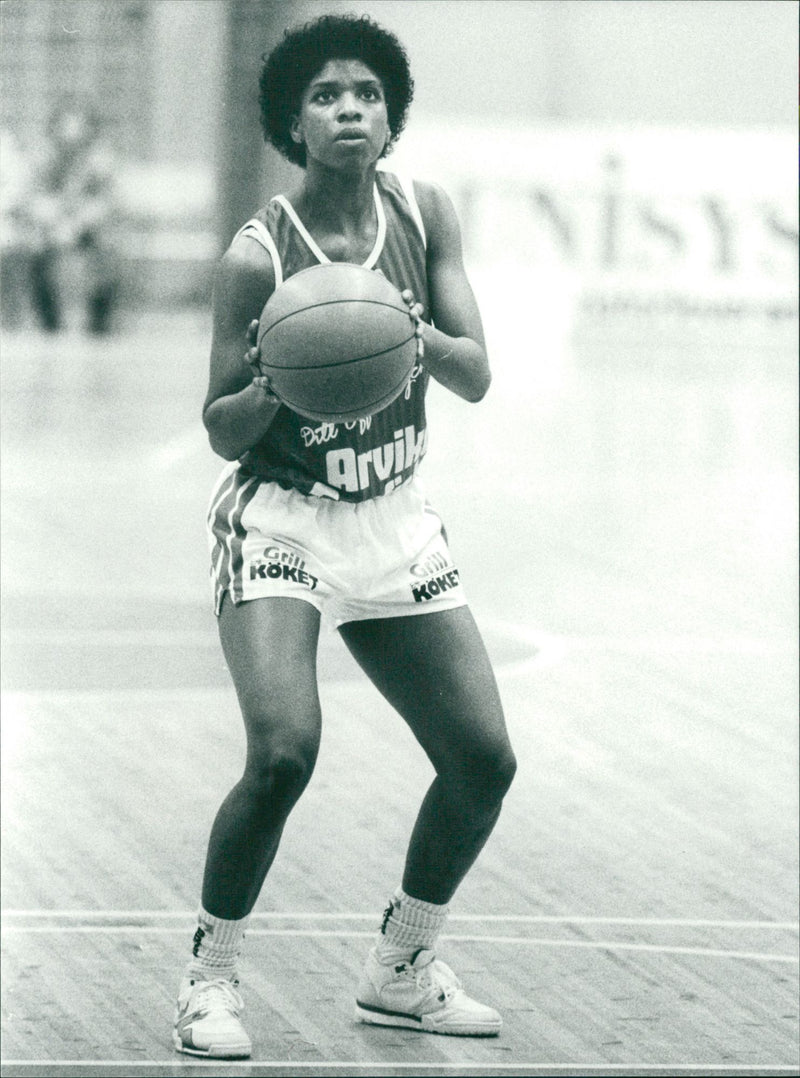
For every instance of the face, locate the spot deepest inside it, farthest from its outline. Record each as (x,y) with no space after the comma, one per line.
(71,128)
(343,120)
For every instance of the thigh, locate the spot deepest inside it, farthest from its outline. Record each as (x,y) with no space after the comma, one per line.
(270,646)
(434,670)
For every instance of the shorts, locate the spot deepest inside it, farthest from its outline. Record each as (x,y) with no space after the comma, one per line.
(381,558)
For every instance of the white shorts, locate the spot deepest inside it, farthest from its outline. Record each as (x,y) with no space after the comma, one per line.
(381,558)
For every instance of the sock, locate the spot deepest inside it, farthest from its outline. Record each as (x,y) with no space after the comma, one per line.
(409,925)
(217,944)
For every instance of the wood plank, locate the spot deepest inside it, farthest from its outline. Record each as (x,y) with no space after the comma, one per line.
(634,911)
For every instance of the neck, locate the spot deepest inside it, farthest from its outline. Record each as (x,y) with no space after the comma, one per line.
(336,198)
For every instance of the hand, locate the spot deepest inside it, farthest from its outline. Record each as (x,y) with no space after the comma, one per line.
(251,358)
(415,311)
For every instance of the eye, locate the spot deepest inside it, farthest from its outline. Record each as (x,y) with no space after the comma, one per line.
(323,97)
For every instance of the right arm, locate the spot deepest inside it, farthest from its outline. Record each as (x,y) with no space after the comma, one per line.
(238,409)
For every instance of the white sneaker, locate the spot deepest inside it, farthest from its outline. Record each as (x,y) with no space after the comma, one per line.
(421,994)
(207,1020)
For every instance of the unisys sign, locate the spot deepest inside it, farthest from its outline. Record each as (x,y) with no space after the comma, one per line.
(690,219)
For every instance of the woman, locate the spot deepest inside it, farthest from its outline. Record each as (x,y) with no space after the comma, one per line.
(361,546)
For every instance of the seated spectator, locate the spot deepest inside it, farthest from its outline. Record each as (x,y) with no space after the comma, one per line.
(15,231)
(75,215)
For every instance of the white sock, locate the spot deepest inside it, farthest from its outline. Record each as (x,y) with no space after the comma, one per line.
(409,925)
(217,944)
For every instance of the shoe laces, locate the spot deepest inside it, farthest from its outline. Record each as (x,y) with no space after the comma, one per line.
(431,976)
(219,993)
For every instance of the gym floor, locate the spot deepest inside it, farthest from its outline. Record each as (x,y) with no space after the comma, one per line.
(624,516)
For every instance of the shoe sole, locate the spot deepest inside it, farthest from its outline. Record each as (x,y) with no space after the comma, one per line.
(237,1051)
(377,1017)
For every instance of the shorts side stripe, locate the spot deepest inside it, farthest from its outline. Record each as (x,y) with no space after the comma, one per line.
(225,527)
(224,487)
(236,536)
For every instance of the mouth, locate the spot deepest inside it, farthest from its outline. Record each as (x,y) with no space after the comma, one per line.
(353,135)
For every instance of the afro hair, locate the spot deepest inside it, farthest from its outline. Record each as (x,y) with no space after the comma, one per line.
(305,50)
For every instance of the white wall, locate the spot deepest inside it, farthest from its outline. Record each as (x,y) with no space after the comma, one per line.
(731,63)
(188,51)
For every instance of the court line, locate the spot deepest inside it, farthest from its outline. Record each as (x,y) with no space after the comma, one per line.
(549,647)
(375,1067)
(73,589)
(117,637)
(553,646)
(313,933)
(494,918)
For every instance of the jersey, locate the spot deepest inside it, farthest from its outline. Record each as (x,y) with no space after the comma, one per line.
(368,457)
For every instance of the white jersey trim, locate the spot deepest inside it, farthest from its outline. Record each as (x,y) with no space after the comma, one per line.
(256,230)
(407,187)
(314,247)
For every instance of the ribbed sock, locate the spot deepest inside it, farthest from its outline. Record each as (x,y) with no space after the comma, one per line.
(409,925)
(217,944)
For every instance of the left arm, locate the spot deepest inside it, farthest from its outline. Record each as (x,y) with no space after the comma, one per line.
(455,348)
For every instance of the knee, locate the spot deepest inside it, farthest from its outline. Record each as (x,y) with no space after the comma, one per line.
(499,768)
(277,774)
(485,777)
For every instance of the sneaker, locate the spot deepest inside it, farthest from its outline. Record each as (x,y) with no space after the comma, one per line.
(207,1020)
(421,994)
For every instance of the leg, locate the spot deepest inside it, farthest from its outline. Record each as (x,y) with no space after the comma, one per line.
(15,272)
(44,290)
(433,668)
(102,287)
(270,646)
(101,305)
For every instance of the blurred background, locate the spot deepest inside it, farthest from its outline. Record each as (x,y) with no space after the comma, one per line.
(642,150)
(625,176)
(622,506)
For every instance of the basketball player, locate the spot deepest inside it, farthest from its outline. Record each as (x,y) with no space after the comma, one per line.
(312,519)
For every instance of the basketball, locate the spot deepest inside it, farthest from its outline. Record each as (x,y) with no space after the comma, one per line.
(337,342)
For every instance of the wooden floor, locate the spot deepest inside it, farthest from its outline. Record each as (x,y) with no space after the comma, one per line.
(625,521)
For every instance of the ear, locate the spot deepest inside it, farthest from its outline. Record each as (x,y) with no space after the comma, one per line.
(296,130)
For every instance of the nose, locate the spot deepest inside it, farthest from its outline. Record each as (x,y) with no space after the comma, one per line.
(349,108)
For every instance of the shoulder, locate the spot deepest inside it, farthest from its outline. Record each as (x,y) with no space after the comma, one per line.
(246,266)
(432,200)
(432,197)
(438,213)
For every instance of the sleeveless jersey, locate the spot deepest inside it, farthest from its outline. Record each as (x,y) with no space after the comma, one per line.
(368,457)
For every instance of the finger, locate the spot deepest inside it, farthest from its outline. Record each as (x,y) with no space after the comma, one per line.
(263,383)
(252,330)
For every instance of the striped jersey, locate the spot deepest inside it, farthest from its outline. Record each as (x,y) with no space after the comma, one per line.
(367,457)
